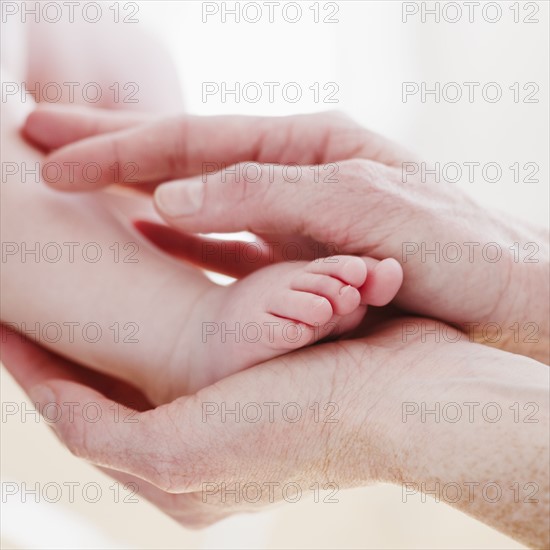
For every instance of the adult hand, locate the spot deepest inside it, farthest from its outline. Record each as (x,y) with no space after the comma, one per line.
(337,415)
(350,195)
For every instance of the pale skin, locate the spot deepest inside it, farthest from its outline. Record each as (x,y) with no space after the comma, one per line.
(369,378)
(287,306)
(466,372)
(177,457)
(372,212)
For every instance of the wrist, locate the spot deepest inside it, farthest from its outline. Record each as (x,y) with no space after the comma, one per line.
(518,322)
(459,423)
(525,320)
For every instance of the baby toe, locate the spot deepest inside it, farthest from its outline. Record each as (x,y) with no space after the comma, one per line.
(303,307)
(343,297)
(348,269)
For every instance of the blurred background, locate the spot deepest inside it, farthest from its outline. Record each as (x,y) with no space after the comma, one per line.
(352,56)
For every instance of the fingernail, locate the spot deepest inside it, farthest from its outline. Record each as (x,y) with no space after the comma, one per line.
(180,198)
(344,289)
(41,396)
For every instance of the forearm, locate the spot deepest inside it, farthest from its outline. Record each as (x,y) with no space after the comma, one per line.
(472,430)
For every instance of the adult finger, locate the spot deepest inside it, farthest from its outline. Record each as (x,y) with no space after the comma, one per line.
(52,126)
(184,146)
(334,211)
(99,429)
(228,257)
(33,366)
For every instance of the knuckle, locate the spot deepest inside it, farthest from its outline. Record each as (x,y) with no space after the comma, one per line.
(166,478)
(248,181)
(177,153)
(361,176)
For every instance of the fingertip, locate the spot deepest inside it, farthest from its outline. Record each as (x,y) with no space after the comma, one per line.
(53,173)
(63,170)
(43,127)
(35,130)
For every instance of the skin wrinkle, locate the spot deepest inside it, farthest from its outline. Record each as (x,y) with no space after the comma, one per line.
(154,460)
(515,312)
(341,234)
(230,447)
(288,133)
(308,441)
(351,440)
(326,433)
(115,148)
(376,404)
(178,159)
(339,146)
(264,140)
(248,189)
(324,146)
(359,150)
(174,468)
(347,450)
(259,143)
(173,360)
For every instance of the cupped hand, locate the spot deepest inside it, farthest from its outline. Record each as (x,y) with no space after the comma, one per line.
(328,417)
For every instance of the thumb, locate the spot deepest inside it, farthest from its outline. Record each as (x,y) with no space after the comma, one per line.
(260,198)
(157,445)
(90,425)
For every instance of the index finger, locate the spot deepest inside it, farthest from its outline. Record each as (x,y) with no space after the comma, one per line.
(185,146)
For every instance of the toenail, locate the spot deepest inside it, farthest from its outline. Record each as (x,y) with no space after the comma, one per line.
(344,289)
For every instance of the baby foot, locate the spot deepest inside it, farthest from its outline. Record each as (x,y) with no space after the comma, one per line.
(281,308)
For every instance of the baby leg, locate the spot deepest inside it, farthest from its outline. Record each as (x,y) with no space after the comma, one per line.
(78,280)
